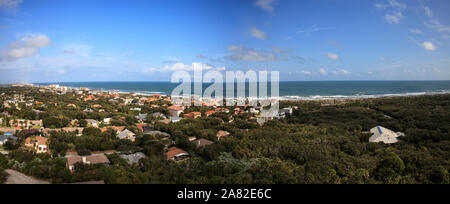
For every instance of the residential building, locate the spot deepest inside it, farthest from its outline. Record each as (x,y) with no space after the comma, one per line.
(176,154)
(91,160)
(126,134)
(175,110)
(221,134)
(382,134)
(133,158)
(202,142)
(192,115)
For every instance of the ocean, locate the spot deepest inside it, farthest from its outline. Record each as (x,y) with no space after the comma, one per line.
(303,90)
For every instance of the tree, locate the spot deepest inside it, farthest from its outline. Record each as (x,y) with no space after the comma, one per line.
(390,169)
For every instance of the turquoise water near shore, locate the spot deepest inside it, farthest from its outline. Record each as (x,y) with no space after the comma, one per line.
(293,90)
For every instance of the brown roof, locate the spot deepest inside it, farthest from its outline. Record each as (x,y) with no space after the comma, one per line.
(174,151)
(202,142)
(222,133)
(41,140)
(93,159)
(175,108)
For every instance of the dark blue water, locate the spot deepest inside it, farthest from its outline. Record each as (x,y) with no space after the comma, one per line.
(294,90)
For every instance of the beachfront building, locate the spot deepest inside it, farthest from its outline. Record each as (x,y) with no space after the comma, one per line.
(382,134)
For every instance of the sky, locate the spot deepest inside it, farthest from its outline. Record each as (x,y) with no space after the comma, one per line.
(147,40)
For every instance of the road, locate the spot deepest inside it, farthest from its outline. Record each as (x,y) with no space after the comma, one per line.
(15,177)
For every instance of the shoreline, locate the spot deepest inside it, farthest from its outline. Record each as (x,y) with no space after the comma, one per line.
(280,98)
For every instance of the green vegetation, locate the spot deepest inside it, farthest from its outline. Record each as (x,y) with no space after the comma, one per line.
(317,144)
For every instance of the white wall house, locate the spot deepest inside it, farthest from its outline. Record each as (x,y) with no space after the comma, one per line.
(382,134)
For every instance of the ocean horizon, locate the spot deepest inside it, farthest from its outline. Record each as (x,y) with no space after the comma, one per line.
(288,90)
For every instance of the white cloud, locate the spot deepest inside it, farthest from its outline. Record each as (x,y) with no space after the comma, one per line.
(429,46)
(221,68)
(332,56)
(305,72)
(241,53)
(27,46)
(344,72)
(396,4)
(258,34)
(82,50)
(437,26)
(10,3)
(384,59)
(323,71)
(394,18)
(380,6)
(266,5)
(428,11)
(313,28)
(415,31)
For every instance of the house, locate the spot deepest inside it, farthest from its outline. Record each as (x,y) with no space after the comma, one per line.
(286,111)
(202,142)
(135,109)
(221,134)
(126,134)
(142,117)
(176,154)
(7,137)
(92,123)
(133,158)
(175,119)
(158,115)
(107,121)
(175,110)
(157,133)
(208,113)
(39,144)
(382,134)
(192,115)
(88,110)
(91,160)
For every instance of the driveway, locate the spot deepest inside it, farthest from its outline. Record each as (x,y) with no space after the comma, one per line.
(15,177)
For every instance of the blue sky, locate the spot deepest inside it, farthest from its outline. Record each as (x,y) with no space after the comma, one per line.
(144,40)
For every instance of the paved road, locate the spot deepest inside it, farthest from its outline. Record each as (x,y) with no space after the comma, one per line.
(16,177)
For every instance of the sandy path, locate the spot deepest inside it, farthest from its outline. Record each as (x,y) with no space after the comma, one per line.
(15,177)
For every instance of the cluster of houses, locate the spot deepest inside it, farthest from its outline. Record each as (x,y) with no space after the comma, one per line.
(39,142)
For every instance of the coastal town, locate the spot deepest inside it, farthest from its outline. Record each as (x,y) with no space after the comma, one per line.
(84,127)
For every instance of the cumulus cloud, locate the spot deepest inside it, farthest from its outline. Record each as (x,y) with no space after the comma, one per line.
(428,46)
(380,6)
(394,18)
(200,56)
(323,71)
(332,56)
(184,67)
(266,5)
(437,26)
(397,4)
(82,50)
(27,46)
(305,72)
(344,72)
(259,34)
(10,3)
(415,31)
(384,59)
(428,11)
(241,53)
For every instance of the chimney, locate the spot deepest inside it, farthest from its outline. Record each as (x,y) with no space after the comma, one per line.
(84,160)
